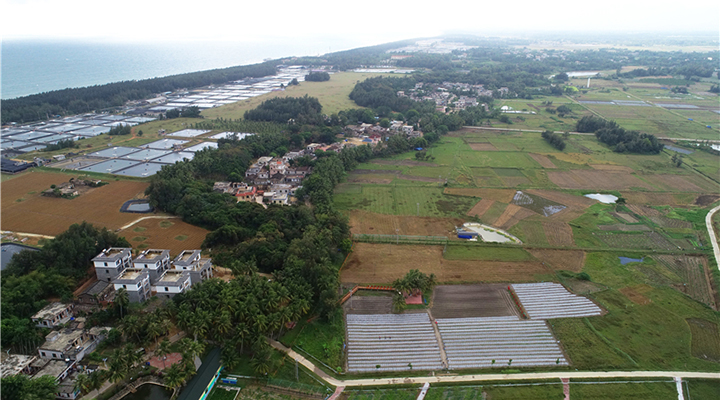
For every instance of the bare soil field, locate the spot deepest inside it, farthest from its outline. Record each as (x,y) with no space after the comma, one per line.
(706,199)
(482,146)
(596,180)
(583,287)
(568,260)
(671,222)
(543,160)
(376,178)
(466,301)
(612,168)
(417,178)
(501,195)
(378,303)
(479,209)
(511,216)
(644,211)
(24,209)
(635,297)
(384,263)
(174,235)
(651,199)
(381,224)
(705,342)
(558,233)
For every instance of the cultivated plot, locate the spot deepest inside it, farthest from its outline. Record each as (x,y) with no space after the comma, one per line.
(382,343)
(549,300)
(462,301)
(499,342)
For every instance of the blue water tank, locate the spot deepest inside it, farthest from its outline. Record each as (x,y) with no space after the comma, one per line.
(464,236)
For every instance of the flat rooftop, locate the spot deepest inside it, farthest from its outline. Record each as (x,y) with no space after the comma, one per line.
(60,340)
(50,310)
(152,254)
(186,255)
(130,274)
(53,368)
(173,276)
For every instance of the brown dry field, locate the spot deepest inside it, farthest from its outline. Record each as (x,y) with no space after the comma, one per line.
(479,209)
(612,168)
(511,216)
(381,224)
(482,146)
(706,199)
(683,183)
(558,233)
(644,211)
(653,199)
(52,216)
(384,263)
(465,301)
(568,260)
(596,180)
(157,237)
(634,296)
(501,195)
(543,160)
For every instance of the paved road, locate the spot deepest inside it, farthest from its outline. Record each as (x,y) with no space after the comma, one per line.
(491,377)
(579,133)
(713,236)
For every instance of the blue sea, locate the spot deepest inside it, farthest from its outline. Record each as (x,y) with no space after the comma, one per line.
(30,67)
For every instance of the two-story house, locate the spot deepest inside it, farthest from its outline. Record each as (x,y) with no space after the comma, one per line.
(53,314)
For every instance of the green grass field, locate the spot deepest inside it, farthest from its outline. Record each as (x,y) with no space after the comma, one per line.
(332,94)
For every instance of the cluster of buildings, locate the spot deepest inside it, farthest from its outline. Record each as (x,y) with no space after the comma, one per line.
(443,97)
(60,355)
(152,272)
(372,134)
(271,180)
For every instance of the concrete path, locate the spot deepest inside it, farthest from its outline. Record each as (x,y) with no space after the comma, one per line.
(566,388)
(441,344)
(338,392)
(678,385)
(490,377)
(713,236)
(144,218)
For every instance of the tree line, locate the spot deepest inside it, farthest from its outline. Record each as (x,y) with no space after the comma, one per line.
(81,100)
(317,77)
(619,139)
(299,110)
(554,140)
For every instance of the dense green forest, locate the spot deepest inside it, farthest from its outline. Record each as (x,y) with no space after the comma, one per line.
(619,139)
(296,110)
(317,77)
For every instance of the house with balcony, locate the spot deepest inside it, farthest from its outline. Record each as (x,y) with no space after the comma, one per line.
(53,314)
(112,262)
(199,268)
(71,344)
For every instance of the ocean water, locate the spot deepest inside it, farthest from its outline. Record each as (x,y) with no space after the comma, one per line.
(30,67)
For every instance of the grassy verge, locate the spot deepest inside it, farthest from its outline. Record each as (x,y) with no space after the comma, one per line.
(321,339)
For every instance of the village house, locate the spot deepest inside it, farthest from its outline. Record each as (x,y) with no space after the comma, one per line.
(200,268)
(156,262)
(71,344)
(171,283)
(112,262)
(97,295)
(64,373)
(53,314)
(13,364)
(136,283)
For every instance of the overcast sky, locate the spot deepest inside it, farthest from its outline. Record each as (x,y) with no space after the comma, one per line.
(365,21)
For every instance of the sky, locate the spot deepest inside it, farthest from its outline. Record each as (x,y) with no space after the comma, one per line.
(365,22)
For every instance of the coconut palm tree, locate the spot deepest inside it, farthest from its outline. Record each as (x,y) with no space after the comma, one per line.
(223,323)
(162,350)
(229,356)
(82,383)
(174,376)
(122,300)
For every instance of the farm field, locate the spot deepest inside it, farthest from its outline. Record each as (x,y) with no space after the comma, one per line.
(383,263)
(463,301)
(24,209)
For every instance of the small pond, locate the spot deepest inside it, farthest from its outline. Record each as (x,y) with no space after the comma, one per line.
(627,260)
(603,198)
(678,150)
(488,235)
(140,207)
(150,391)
